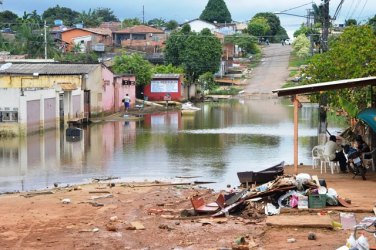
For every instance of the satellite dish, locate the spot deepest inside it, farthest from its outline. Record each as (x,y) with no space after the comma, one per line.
(5,66)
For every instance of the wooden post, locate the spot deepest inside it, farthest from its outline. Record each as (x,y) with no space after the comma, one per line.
(296,107)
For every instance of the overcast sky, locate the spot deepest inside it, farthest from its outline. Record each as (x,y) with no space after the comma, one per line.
(183,10)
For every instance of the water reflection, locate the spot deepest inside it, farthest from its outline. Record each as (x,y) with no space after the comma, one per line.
(215,143)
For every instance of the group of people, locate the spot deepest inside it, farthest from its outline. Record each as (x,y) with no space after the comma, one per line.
(334,149)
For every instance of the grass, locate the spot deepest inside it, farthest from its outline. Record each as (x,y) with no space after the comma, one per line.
(295,61)
(256,58)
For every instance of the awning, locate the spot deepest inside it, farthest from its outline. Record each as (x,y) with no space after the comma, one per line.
(312,88)
(68,86)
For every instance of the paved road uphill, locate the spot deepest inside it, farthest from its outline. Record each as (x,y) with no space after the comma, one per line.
(272,71)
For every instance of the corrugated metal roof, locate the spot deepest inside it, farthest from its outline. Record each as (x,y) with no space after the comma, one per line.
(49,69)
(341,84)
(164,76)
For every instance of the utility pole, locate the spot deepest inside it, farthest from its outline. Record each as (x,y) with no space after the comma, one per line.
(45,40)
(143,14)
(325,27)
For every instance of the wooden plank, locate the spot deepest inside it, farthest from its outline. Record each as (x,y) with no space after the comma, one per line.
(308,221)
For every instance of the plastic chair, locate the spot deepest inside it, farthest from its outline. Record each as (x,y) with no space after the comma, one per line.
(316,156)
(369,162)
(331,164)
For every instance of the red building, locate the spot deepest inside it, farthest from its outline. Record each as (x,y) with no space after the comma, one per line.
(162,84)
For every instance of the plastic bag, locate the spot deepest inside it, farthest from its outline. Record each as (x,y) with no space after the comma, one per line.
(331,197)
(284,200)
(294,200)
(351,241)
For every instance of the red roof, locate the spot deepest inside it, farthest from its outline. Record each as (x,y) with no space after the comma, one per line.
(139,29)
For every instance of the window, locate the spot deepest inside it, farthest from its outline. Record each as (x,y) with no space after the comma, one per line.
(8,116)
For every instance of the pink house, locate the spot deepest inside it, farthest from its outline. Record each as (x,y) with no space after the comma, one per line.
(115,87)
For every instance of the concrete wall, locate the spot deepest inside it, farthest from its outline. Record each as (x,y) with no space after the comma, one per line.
(36,109)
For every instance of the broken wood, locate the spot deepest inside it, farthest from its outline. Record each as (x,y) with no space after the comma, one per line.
(99,192)
(168,184)
(105,178)
(28,195)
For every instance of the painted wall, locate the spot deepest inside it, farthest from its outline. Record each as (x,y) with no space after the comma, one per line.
(39,103)
(68,37)
(126,89)
(158,94)
(108,90)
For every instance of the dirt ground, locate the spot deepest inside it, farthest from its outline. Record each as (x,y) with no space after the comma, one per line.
(114,215)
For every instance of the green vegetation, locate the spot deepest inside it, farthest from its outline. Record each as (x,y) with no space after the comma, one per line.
(276,31)
(301,46)
(351,55)
(258,26)
(197,53)
(225,91)
(216,10)
(134,64)
(246,42)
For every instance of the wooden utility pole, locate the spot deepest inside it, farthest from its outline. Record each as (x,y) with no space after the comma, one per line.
(325,25)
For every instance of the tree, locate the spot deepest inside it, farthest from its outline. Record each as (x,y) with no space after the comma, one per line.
(274,24)
(216,10)
(171,25)
(105,14)
(314,33)
(134,64)
(129,22)
(157,22)
(350,22)
(258,26)
(67,15)
(247,43)
(301,46)
(175,45)
(372,23)
(70,57)
(167,69)
(197,53)
(89,19)
(7,19)
(351,55)
(207,81)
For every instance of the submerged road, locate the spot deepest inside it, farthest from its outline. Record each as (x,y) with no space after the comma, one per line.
(272,71)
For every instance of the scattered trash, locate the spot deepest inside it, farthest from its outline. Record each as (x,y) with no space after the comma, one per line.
(113,218)
(96,230)
(291,240)
(138,225)
(347,220)
(312,236)
(28,195)
(270,209)
(101,197)
(66,201)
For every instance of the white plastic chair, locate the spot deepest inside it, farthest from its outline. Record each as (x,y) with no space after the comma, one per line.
(316,156)
(326,162)
(369,162)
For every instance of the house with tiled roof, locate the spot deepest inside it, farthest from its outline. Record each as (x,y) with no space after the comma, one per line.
(88,39)
(140,37)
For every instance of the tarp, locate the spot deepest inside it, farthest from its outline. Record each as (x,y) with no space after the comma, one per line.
(368,115)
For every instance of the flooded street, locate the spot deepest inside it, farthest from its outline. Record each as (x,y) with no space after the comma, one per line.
(214,144)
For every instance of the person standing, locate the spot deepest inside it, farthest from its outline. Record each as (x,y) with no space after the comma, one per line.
(335,153)
(127,102)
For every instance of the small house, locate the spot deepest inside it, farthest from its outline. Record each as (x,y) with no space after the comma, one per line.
(162,84)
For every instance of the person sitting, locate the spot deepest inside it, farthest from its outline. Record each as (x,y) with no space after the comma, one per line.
(335,153)
(362,146)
